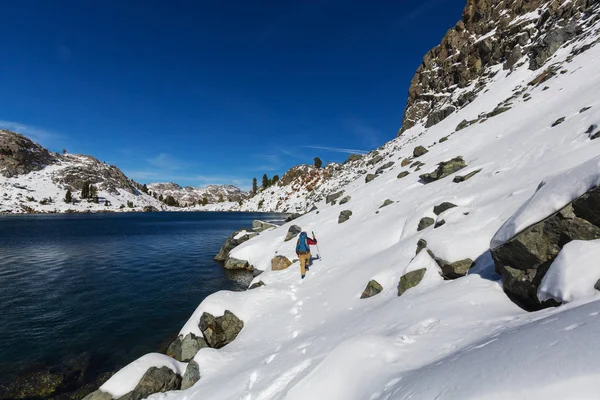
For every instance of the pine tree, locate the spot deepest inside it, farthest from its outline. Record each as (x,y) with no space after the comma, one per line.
(145,189)
(318,162)
(85,190)
(275,179)
(221,198)
(170,201)
(68,196)
(265,181)
(254,186)
(204,201)
(160,198)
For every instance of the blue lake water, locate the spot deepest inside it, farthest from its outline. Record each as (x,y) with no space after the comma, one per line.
(116,286)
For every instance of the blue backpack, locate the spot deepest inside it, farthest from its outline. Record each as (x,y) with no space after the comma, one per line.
(302,244)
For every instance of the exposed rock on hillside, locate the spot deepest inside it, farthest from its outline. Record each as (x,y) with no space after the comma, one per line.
(19,155)
(195,195)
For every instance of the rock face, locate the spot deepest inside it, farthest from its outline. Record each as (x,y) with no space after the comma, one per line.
(184,349)
(220,331)
(524,260)
(155,380)
(344,216)
(279,263)
(191,375)
(19,155)
(293,231)
(195,195)
(231,243)
(373,288)
(491,32)
(444,169)
(235,264)
(410,280)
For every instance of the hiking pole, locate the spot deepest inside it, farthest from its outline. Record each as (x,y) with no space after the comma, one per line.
(319,250)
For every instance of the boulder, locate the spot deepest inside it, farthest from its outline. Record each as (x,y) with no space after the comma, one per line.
(220,331)
(373,288)
(191,375)
(419,151)
(553,40)
(384,167)
(259,226)
(524,259)
(354,157)
(293,216)
(155,380)
(231,243)
(279,263)
(98,395)
(410,280)
(584,109)
(439,115)
(184,349)
(403,174)
(256,285)
(444,169)
(375,160)
(459,179)
(345,200)
(405,162)
(456,269)
(370,177)
(425,223)
(445,138)
(514,57)
(386,203)
(292,232)
(440,208)
(150,209)
(558,121)
(344,216)
(421,245)
(332,197)
(236,264)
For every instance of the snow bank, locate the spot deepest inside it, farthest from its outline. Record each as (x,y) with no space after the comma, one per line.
(128,377)
(573,273)
(553,194)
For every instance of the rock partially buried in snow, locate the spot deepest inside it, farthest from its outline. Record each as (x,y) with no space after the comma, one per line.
(155,380)
(444,169)
(292,232)
(279,263)
(424,223)
(98,395)
(234,240)
(259,226)
(440,208)
(410,280)
(256,285)
(344,216)
(236,264)
(419,151)
(384,167)
(405,162)
(220,331)
(386,203)
(558,121)
(421,245)
(456,269)
(333,197)
(345,200)
(459,179)
(191,376)
(373,288)
(403,174)
(185,349)
(370,177)
(584,109)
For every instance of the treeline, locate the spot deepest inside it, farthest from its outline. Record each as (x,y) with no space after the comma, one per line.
(267,182)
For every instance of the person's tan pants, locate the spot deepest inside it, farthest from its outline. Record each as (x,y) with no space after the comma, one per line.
(304,262)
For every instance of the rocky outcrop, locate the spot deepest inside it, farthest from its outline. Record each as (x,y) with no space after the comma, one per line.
(292,232)
(155,380)
(191,375)
(385,166)
(444,169)
(410,280)
(220,331)
(491,32)
(344,216)
(236,264)
(373,288)
(370,177)
(184,349)
(232,242)
(279,263)
(524,260)
(260,226)
(195,195)
(19,155)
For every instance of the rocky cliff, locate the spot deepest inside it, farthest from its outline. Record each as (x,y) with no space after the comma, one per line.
(492,33)
(19,155)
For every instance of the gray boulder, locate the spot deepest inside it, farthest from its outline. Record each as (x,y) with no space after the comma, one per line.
(440,208)
(375,160)
(403,174)
(344,216)
(439,115)
(425,223)
(191,375)
(279,263)
(236,264)
(155,380)
(459,179)
(419,151)
(514,57)
(386,203)
(220,331)
(524,260)
(421,245)
(444,169)
(231,243)
(384,167)
(410,280)
(553,40)
(558,121)
(373,288)
(333,197)
(370,177)
(345,200)
(256,285)
(184,349)
(150,209)
(98,395)
(292,232)
(259,226)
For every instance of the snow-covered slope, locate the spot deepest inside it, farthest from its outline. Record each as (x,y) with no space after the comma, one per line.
(190,196)
(458,339)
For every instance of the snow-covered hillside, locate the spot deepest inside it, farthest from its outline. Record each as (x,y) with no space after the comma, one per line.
(190,196)
(442,339)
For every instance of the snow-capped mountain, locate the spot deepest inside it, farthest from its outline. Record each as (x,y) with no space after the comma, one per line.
(37,180)
(190,196)
(405,300)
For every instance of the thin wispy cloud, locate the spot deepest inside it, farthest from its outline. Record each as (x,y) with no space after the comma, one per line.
(34,133)
(337,149)
(168,162)
(368,135)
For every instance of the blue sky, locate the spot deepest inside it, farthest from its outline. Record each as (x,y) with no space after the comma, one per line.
(213,92)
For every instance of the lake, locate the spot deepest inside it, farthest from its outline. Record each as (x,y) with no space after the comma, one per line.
(113,286)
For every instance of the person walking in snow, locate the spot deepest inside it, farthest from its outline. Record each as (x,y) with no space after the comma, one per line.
(303,251)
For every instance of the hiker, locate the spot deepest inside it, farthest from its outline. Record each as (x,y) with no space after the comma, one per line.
(303,251)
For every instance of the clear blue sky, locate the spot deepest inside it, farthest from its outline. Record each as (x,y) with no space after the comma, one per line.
(200,92)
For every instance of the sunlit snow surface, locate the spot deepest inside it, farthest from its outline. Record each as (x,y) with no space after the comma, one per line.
(462,339)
